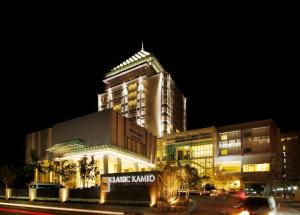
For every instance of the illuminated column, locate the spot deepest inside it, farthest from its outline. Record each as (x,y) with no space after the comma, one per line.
(136,167)
(99,103)
(78,179)
(51,176)
(184,114)
(119,165)
(36,175)
(105,164)
(110,98)
(124,101)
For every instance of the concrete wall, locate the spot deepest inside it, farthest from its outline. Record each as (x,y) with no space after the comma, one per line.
(93,129)
(38,142)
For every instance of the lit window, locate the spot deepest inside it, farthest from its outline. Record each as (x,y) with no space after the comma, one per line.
(132,103)
(132,94)
(132,86)
(117,107)
(224,152)
(283,147)
(263,167)
(224,137)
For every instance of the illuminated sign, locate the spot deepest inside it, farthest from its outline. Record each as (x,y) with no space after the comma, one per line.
(129,187)
(149,178)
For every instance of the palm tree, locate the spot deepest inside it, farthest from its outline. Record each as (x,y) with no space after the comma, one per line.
(88,169)
(68,170)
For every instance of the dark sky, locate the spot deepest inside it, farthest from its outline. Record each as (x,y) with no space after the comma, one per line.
(230,71)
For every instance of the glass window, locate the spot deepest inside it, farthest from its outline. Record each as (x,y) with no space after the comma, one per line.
(224,152)
(263,167)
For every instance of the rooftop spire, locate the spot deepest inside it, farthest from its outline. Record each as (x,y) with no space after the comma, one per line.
(142,47)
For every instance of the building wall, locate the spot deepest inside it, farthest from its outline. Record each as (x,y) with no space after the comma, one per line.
(37,142)
(93,129)
(290,151)
(250,149)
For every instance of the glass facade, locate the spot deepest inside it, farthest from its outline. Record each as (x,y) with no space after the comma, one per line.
(230,143)
(198,154)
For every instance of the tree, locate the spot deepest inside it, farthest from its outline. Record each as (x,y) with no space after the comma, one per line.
(7,175)
(169,180)
(88,169)
(189,177)
(68,170)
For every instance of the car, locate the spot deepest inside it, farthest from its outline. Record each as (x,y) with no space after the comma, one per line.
(257,206)
(44,185)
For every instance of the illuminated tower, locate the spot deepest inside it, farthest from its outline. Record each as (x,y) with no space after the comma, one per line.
(140,89)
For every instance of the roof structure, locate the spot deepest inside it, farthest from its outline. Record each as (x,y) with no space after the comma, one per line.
(62,148)
(139,58)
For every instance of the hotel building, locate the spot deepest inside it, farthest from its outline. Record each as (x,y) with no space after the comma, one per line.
(117,144)
(249,150)
(194,147)
(140,89)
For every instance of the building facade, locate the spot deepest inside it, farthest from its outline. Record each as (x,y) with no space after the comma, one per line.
(194,147)
(249,151)
(117,144)
(141,90)
(290,152)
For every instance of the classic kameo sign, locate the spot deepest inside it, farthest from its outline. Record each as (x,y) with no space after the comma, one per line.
(129,187)
(132,179)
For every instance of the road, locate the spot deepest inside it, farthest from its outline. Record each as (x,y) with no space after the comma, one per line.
(222,206)
(205,206)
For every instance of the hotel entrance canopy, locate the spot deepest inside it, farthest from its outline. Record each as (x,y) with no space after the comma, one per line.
(60,149)
(111,151)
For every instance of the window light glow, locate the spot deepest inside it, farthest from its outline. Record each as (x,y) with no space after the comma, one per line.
(263,167)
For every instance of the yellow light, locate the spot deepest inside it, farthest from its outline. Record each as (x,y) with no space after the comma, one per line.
(63,194)
(8,193)
(224,137)
(245,213)
(132,86)
(133,94)
(111,152)
(153,195)
(32,194)
(117,107)
(224,152)
(102,197)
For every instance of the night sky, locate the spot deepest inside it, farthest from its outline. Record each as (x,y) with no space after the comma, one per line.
(230,72)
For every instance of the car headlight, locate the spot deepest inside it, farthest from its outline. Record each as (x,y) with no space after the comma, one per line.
(271,213)
(245,213)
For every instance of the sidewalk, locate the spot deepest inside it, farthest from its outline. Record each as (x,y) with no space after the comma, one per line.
(95,207)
